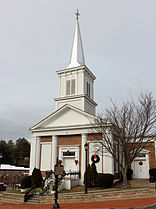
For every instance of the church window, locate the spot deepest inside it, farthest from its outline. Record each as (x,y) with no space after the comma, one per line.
(73,86)
(70,87)
(141,155)
(88,89)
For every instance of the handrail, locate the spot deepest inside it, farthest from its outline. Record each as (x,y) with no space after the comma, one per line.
(28,195)
(50,177)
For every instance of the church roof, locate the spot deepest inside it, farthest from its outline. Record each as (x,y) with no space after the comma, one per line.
(77,56)
(65,117)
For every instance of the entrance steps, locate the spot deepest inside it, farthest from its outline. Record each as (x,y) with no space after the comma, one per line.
(33,200)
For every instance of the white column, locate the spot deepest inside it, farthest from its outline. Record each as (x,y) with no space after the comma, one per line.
(83,83)
(60,90)
(83,156)
(54,151)
(37,151)
(147,165)
(32,154)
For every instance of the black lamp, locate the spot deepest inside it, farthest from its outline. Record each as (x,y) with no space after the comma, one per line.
(86,149)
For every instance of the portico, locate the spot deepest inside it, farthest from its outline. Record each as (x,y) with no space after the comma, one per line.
(69,148)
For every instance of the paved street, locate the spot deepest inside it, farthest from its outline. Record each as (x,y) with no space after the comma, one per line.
(105,204)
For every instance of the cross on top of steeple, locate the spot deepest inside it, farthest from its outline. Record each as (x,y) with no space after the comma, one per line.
(77,14)
(77,56)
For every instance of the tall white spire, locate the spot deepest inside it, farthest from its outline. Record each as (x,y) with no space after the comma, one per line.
(77,56)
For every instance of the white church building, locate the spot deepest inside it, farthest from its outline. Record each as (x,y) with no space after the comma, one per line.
(64,133)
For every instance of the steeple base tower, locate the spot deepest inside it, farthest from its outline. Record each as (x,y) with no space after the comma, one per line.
(76,88)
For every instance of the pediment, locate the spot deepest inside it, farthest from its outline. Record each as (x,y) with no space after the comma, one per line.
(66,116)
(144,151)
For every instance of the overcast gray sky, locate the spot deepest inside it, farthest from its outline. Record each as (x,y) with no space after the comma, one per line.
(119,41)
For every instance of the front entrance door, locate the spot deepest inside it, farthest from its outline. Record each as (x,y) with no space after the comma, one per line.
(140,165)
(140,171)
(69,164)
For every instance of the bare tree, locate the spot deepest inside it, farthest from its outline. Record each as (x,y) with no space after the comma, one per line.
(131,126)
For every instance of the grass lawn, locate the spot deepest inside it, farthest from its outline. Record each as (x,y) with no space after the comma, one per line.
(116,187)
(77,189)
(18,191)
(97,189)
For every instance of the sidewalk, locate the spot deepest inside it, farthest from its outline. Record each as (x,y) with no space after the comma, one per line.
(112,204)
(92,205)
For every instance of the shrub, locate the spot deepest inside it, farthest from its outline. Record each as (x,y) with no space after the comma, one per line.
(36,178)
(26,182)
(152,173)
(91,175)
(88,175)
(104,180)
(129,173)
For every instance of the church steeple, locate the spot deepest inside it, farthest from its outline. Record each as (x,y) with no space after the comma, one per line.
(77,56)
(76,82)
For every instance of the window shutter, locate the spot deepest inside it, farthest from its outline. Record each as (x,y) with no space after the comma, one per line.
(73,86)
(89,90)
(68,87)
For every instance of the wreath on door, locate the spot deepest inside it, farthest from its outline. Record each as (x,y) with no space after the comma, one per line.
(140,163)
(95,158)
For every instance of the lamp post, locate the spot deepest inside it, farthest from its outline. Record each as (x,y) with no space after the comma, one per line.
(86,149)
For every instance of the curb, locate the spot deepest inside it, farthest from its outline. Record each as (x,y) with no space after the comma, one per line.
(144,207)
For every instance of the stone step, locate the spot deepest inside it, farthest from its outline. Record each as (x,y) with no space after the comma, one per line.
(33,200)
(32,203)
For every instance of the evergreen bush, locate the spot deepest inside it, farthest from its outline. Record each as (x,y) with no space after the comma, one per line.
(129,173)
(91,175)
(152,173)
(26,182)
(104,180)
(36,178)
(88,175)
